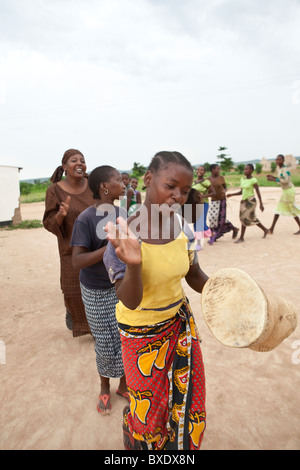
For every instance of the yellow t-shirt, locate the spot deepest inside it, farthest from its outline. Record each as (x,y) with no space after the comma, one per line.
(247,186)
(163,268)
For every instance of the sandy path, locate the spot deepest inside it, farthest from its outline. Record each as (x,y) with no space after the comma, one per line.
(49,384)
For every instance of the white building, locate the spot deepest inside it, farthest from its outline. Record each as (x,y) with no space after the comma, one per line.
(9,195)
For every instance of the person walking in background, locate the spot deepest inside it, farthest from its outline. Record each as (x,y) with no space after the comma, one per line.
(98,293)
(161,349)
(217,221)
(286,205)
(129,192)
(65,200)
(248,202)
(136,198)
(205,190)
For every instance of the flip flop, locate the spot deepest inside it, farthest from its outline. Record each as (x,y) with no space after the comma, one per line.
(124,395)
(104,399)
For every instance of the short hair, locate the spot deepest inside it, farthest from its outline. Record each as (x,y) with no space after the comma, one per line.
(280,155)
(251,166)
(163,158)
(213,166)
(101,174)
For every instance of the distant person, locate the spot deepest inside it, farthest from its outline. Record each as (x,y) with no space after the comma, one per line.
(286,205)
(98,293)
(248,202)
(65,200)
(136,198)
(205,190)
(217,208)
(129,192)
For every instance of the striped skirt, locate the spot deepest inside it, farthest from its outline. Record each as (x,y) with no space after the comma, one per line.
(100,307)
(165,378)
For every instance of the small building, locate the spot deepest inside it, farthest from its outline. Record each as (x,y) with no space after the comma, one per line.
(10,212)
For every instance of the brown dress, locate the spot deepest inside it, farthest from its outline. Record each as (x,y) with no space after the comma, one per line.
(69,276)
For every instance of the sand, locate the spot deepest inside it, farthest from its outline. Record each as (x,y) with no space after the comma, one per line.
(49,382)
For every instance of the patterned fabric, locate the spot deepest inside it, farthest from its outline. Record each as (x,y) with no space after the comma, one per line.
(69,276)
(247,212)
(217,218)
(165,378)
(100,308)
(286,205)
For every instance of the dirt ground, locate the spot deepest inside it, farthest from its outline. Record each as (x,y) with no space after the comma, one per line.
(49,382)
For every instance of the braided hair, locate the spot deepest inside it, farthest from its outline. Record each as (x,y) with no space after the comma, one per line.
(163,158)
(101,174)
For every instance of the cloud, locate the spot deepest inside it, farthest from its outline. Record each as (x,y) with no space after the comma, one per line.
(124,78)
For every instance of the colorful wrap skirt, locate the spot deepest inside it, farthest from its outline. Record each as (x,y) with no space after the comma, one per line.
(286,205)
(166,382)
(247,212)
(217,219)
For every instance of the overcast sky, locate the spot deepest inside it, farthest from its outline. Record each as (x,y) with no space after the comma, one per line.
(123,79)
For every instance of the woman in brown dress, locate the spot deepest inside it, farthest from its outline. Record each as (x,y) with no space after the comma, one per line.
(65,200)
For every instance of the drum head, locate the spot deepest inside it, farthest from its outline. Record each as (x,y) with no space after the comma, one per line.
(235,308)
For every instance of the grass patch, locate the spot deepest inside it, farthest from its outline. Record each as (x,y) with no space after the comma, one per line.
(26,224)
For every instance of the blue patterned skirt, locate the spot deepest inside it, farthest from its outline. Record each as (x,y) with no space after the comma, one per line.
(100,307)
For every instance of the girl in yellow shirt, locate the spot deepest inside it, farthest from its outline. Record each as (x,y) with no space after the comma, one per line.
(147,258)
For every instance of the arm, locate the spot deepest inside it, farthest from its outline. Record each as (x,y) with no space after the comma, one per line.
(138,198)
(129,289)
(196,278)
(82,258)
(235,194)
(55,212)
(259,197)
(272,178)
(130,193)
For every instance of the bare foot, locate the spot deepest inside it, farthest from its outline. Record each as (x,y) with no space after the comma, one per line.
(270,231)
(266,233)
(240,240)
(297,233)
(235,232)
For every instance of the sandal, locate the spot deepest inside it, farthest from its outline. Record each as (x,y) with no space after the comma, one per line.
(104,399)
(124,395)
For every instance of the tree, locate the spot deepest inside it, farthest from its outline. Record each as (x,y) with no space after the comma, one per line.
(240,168)
(258,168)
(273,166)
(138,169)
(224,159)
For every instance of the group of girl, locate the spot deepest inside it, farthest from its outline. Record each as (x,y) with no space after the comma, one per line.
(213,223)
(130,286)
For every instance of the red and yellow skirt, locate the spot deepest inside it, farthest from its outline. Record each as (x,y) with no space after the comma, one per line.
(166,382)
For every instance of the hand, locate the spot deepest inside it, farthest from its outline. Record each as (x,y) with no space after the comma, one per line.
(64,206)
(126,244)
(271,178)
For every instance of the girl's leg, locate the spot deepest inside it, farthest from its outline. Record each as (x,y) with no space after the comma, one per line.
(265,230)
(104,404)
(271,229)
(298,222)
(241,239)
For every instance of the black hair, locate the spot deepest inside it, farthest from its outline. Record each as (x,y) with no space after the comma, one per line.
(213,166)
(251,166)
(101,174)
(280,155)
(162,159)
